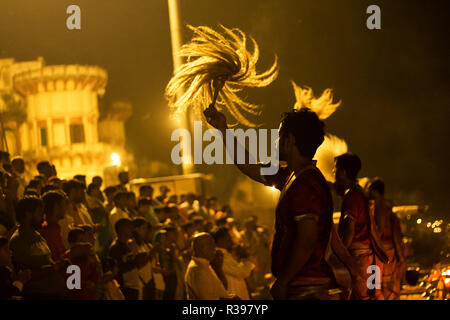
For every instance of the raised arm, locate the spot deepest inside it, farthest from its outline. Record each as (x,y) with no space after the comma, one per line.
(217,120)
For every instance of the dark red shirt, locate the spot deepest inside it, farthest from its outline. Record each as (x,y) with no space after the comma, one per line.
(307,194)
(386,212)
(356,205)
(89,276)
(52,234)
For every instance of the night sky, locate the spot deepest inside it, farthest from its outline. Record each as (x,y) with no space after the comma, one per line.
(394,82)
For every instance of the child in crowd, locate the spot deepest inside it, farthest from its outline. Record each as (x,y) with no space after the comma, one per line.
(82,254)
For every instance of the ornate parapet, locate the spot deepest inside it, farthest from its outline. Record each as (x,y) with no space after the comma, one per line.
(61,78)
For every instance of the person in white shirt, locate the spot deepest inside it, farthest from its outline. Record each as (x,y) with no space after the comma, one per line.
(77,213)
(202,283)
(119,211)
(234,271)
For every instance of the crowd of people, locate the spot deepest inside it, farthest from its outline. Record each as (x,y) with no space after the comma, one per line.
(127,246)
(141,246)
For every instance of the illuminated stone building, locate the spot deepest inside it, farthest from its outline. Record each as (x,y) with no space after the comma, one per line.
(60,120)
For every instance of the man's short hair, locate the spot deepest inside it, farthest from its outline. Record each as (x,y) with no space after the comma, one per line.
(42,165)
(119,195)
(4,156)
(97,178)
(74,234)
(51,199)
(17,161)
(109,191)
(91,187)
(26,205)
(130,194)
(220,233)
(34,183)
(196,238)
(80,177)
(72,184)
(145,187)
(350,163)
(138,222)
(48,188)
(378,186)
(307,129)
(122,223)
(122,174)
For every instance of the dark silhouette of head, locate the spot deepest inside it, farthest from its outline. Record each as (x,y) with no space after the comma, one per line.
(347,168)
(45,168)
(124,177)
(300,129)
(18,164)
(376,189)
(29,212)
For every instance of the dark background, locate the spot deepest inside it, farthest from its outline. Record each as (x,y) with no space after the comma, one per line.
(394,82)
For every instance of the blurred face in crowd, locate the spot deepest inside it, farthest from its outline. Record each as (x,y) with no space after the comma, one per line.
(190,198)
(164,190)
(147,193)
(121,202)
(47,170)
(60,209)
(204,246)
(127,231)
(97,181)
(375,193)
(89,236)
(142,231)
(285,143)
(131,201)
(173,199)
(225,242)
(37,218)
(341,183)
(5,255)
(124,177)
(19,165)
(96,193)
(173,214)
(78,195)
(110,196)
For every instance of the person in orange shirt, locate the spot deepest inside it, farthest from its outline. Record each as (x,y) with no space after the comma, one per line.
(391,238)
(355,224)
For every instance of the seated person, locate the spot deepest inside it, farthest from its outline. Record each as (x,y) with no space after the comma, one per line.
(202,282)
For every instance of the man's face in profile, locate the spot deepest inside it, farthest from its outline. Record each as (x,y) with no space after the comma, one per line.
(340,177)
(281,145)
(124,177)
(37,218)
